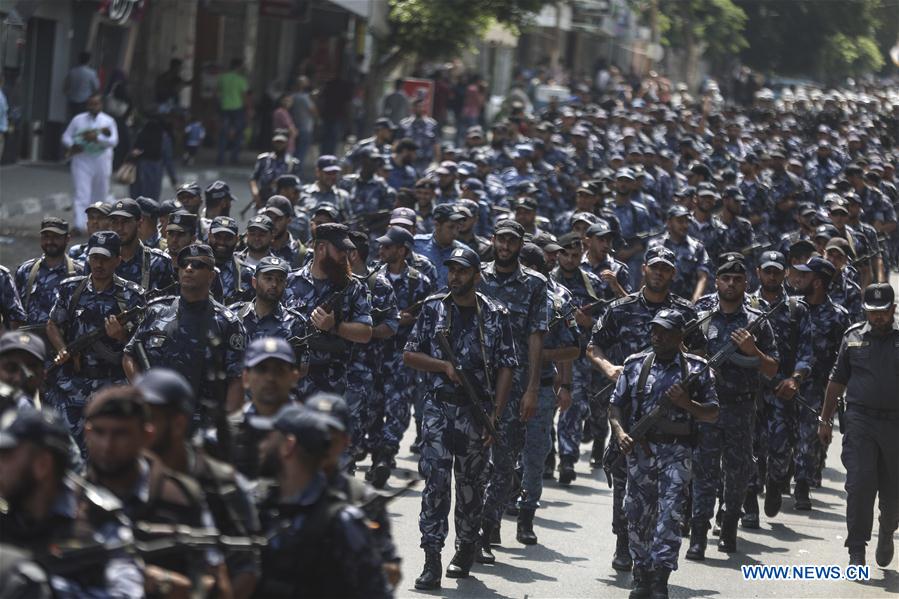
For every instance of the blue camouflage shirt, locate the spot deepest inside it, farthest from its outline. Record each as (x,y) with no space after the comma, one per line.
(524,294)
(38,299)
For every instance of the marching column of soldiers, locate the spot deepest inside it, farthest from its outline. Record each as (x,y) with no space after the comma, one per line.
(697,291)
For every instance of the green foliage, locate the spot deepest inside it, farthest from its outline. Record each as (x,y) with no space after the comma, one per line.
(842,55)
(715,24)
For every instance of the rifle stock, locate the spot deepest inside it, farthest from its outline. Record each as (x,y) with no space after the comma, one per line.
(469,389)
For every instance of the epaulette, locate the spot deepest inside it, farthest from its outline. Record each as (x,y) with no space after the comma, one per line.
(158,252)
(436,297)
(636,356)
(494,304)
(4,269)
(73,279)
(263,155)
(131,286)
(167,299)
(533,273)
(856,326)
(676,299)
(413,273)
(627,299)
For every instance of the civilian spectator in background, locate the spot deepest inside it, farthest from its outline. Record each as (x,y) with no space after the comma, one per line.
(335,112)
(281,119)
(396,103)
(152,151)
(169,85)
(80,84)
(117,104)
(233,97)
(472,105)
(194,134)
(304,113)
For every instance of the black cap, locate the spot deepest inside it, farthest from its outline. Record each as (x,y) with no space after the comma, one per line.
(826,231)
(26,342)
(659,253)
(53,224)
(41,427)
(445,212)
(333,408)
(115,403)
(569,240)
(166,387)
(670,319)
(148,206)
(279,205)
(600,228)
(183,221)
(217,192)
(403,216)
(328,163)
(223,224)
(526,202)
(532,256)
(385,123)
(169,206)
(879,296)
(264,348)
(101,207)
(328,208)
(260,221)
(280,135)
(775,259)
(583,217)
(731,263)
(819,266)
(509,227)
(274,263)
(105,243)
(678,210)
(335,233)
(126,207)
(801,247)
(192,188)
(397,236)
(196,251)
(465,257)
(288,181)
(309,427)
(547,241)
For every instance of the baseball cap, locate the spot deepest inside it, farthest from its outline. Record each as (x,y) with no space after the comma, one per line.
(599,229)
(625,173)
(445,212)
(308,426)
(333,408)
(839,244)
(532,256)
(547,241)
(41,427)
(264,348)
(170,206)
(670,319)
(196,251)
(731,263)
(280,135)
(182,220)
(105,243)
(53,224)
(775,259)
(402,216)
(801,247)
(192,188)
(279,205)
(659,254)
(879,296)
(288,181)
(126,207)
(509,227)
(384,122)
(27,342)
(116,402)
(328,163)
(223,224)
(397,236)
(166,387)
(148,206)
(218,191)
(328,208)
(678,210)
(336,234)
(526,202)
(101,207)
(585,217)
(818,266)
(826,231)
(473,184)
(569,240)
(706,189)
(466,257)
(260,221)
(275,263)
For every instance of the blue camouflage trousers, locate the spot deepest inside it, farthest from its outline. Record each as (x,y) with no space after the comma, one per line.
(725,446)
(504,454)
(759,447)
(399,388)
(809,451)
(780,420)
(617,472)
(657,485)
(571,421)
(451,444)
(70,395)
(537,443)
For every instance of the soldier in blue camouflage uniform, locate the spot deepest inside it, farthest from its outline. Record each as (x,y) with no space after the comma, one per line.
(660,468)
(266,315)
(37,279)
(271,165)
(737,233)
(325,190)
(756,192)
(829,323)
(704,226)
(196,336)
(425,132)
(369,192)
(280,210)
(479,331)
(147,267)
(11,312)
(793,332)
(438,246)
(398,381)
(725,447)
(584,287)
(634,220)
(336,304)
(844,289)
(236,277)
(97,220)
(691,259)
(560,348)
(620,332)
(218,201)
(381,142)
(405,218)
(84,304)
(785,191)
(524,294)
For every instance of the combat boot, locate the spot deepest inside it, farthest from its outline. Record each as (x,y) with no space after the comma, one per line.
(526,535)
(803,502)
(773,498)
(642,585)
(483,552)
(622,561)
(727,542)
(549,466)
(698,541)
(462,561)
(660,583)
(380,470)
(566,471)
(750,517)
(431,573)
(884,552)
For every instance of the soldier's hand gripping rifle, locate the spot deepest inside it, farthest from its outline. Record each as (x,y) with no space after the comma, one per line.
(87,340)
(471,393)
(653,416)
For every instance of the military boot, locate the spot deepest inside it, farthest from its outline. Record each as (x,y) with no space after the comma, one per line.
(549,466)
(462,561)
(698,541)
(660,583)
(803,502)
(622,561)
(773,498)
(431,573)
(380,470)
(566,471)
(884,552)
(642,585)
(483,552)
(727,541)
(526,535)
(750,517)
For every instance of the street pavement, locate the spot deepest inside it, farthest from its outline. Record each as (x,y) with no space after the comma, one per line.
(574,524)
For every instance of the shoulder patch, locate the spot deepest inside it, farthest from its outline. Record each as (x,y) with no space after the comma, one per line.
(72,279)
(533,273)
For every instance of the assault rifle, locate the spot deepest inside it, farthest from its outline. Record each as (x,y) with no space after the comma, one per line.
(653,416)
(752,249)
(588,308)
(87,340)
(471,393)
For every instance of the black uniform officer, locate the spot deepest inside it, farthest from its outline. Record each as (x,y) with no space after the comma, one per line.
(867,369)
